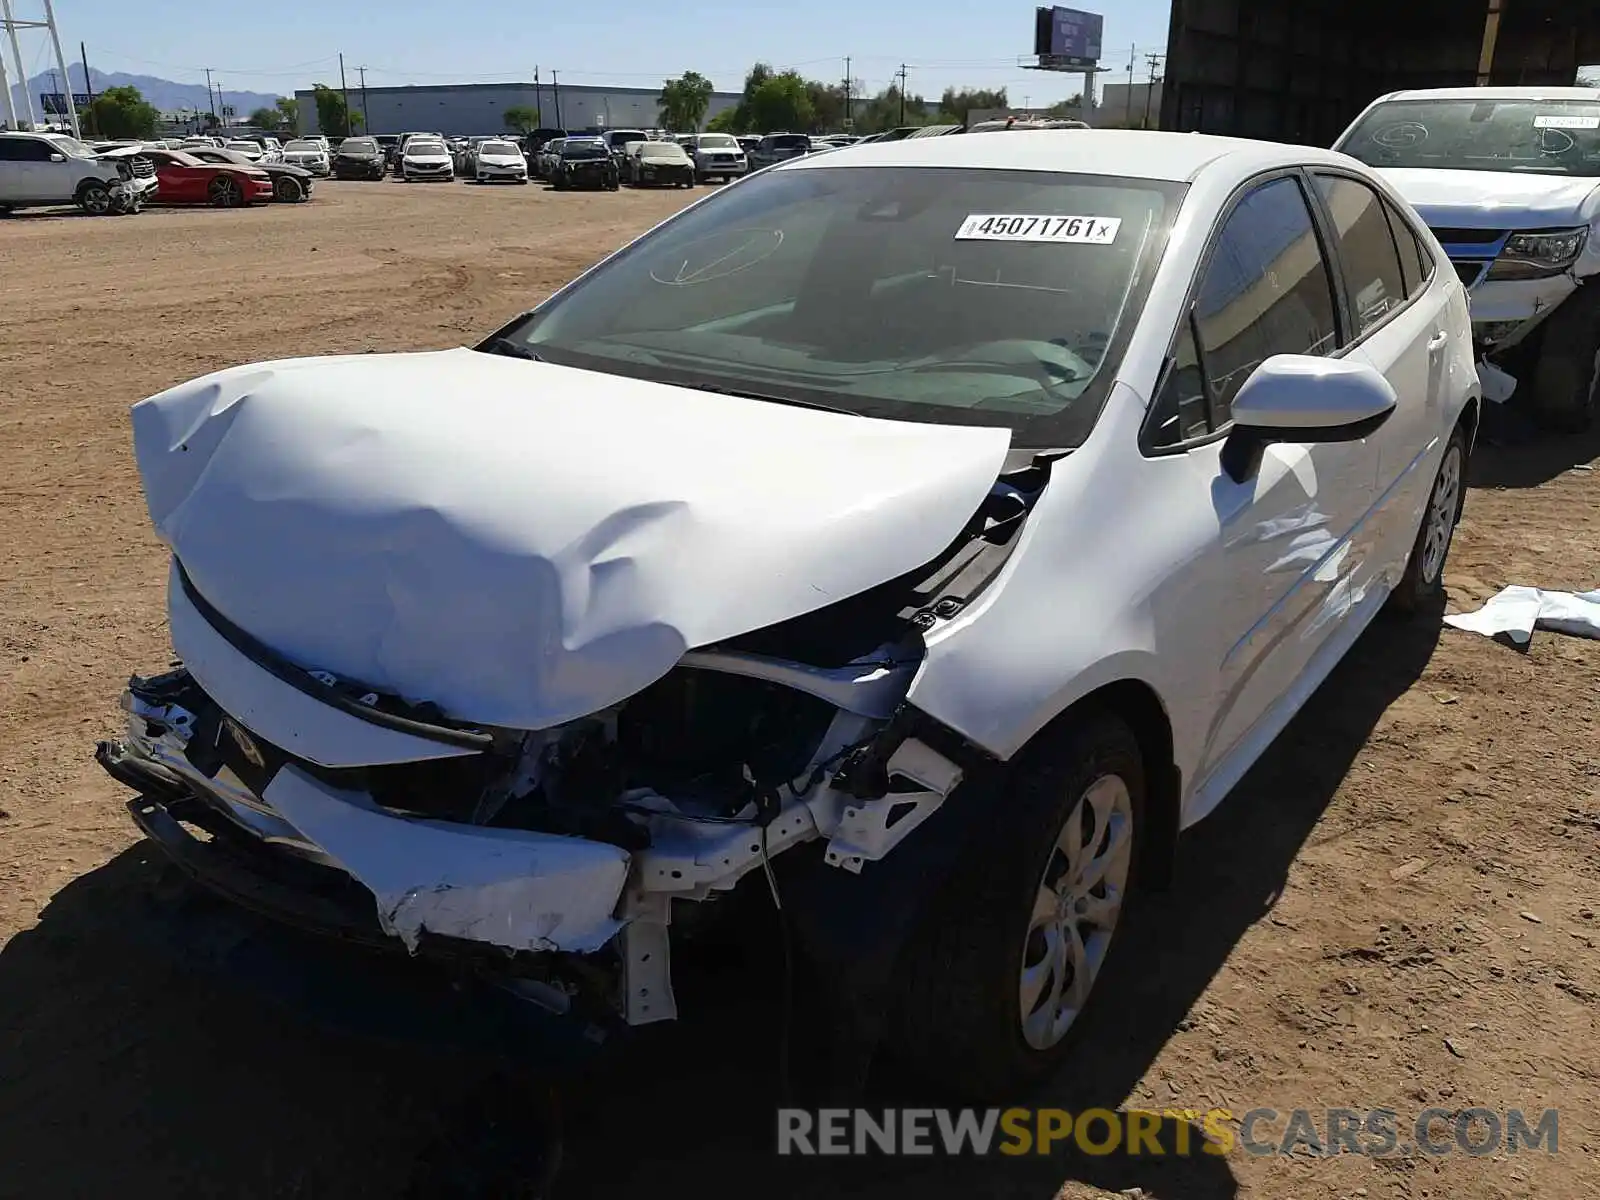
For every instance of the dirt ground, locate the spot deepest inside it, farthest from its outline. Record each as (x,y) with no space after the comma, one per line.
(1397,908)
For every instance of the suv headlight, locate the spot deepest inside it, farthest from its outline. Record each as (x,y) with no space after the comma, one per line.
(1539,255)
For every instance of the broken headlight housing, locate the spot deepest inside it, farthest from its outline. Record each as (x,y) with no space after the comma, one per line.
(1539,255)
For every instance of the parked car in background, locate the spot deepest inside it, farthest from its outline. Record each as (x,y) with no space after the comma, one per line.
(359,158)
(425,157)
(400,147)
(290,184)
(499,161)
(310,155)
(245,146)
(389,142)
(748,143)
(617,140)
(777,148)
(185,179)
(807,604)
(658,164)
(533,143)
(1508,178)
(585,163)
(549,158)
(716,156)
(40,169)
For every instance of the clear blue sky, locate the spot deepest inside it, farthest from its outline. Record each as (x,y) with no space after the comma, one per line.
(293,43)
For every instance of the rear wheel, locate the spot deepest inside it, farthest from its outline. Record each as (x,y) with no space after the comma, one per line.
(224,192)
(1566,380)
(1005,963)
(1423,582)
(94,198)
(287,189)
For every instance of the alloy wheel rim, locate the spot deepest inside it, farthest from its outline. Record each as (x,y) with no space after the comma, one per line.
(97,200)
(1076,906)
(1442,514)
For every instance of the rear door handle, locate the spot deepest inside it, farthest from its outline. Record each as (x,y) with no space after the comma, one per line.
(1438,341)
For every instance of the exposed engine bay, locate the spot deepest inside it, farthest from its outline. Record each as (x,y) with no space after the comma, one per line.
(572,841)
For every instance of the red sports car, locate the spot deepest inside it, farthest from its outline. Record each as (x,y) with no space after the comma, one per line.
(186,180)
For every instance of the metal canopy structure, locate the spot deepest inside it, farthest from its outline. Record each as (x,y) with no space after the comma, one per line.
(1301,71)
(10,23)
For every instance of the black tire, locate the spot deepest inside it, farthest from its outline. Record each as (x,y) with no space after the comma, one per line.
(224,192)
(94,197)
(6,210)
(959,999)
(1422,586)
(286,189)
(1565,392)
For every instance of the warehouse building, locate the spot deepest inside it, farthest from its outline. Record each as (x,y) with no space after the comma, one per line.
(469,108)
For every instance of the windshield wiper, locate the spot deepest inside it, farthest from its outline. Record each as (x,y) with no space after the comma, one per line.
(509,349)
(767,397)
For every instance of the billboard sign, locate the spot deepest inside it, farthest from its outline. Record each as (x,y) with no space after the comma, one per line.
(55,103)
(1067,37)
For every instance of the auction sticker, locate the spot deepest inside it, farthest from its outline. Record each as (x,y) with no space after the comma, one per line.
(1023,227)
(1547,121)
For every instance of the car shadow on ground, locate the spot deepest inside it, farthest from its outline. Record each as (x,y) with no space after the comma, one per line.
(127,1064)
(1513,452)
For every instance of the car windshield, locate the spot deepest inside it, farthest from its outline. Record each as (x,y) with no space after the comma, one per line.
(499,148)
(358,146)
(981,297)
(661,150)
(181,157)
(71,147)
(315,147)
(245,147)
(424,146)
(621,137)
(1554,137)
(790,141)
(583,150)
(718,141)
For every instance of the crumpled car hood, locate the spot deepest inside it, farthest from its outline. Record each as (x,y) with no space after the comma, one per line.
(523,544)
(1493,199)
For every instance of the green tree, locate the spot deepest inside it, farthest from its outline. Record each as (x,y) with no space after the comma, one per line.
(122,112)
(957,103)
(333,117)
(521,118)
(266,118)
(684,101)
(289,111)
(1069,109)
(729,120)
(780,102)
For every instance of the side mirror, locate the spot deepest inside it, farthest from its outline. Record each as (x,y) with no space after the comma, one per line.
(58,158)
(1304,398)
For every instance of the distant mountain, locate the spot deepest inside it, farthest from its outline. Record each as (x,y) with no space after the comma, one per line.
(163,93)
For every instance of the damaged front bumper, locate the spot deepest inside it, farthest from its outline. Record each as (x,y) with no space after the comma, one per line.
(582,920)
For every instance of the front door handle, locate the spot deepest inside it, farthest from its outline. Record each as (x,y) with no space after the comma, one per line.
(1438,341)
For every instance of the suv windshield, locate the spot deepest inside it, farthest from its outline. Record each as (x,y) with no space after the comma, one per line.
(621,137)
(583,150)
(981,297)
(1555,137)
(717,141)
(71,147)
(789,141)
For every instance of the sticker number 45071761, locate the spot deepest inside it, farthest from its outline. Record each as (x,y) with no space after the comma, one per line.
(1021,227)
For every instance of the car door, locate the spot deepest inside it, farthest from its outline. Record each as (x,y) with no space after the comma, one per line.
(1398,326)
(39,180)
(1292,554)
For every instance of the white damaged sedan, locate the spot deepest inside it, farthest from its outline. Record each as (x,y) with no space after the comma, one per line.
(925,533)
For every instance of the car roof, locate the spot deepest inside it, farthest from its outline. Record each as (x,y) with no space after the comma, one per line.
(1496,93)
(1134,154)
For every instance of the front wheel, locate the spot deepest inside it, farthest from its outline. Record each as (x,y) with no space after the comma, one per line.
(225,192)
(94,198)
(288,190)
(1565,396)
(1423,582)
(1004,964)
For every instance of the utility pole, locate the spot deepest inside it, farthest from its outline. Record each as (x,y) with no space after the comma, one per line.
(345,88)
(211,101)
(555,91)
(88,85)
(220,106)
(1127,115)
(1149,89)
(849,123)
(902,74)
(366,117)
(538,100)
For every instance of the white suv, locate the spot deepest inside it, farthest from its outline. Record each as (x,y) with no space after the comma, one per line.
(38,169)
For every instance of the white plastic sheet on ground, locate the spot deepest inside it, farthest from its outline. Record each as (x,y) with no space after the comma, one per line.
(1518,611)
